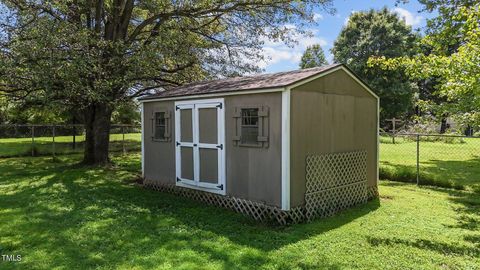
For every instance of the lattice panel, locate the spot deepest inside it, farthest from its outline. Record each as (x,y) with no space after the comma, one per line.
(328,202)
(334,170)
(372,192)
(335,182)
(256,210)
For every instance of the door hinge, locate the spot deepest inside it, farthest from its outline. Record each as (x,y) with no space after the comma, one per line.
(220,105)
(220,186)
(178,179)
(177,108)
(177,143)
(220,146)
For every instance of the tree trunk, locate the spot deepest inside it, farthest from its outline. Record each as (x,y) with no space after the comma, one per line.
(443,125)
(97,134)
(468,131)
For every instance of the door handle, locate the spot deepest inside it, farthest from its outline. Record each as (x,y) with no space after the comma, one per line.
(194,145)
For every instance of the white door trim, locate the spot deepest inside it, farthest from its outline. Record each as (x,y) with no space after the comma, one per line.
(195,105)
(179,143)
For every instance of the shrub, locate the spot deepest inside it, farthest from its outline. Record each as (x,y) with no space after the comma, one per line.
(409,175)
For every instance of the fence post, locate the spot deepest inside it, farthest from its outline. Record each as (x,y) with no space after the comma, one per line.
(33,140)
(123,139)
(74,129)
(394,127)
(418,159)
(53,138)
(393,137)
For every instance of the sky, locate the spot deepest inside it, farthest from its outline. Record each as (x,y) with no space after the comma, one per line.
(284,58)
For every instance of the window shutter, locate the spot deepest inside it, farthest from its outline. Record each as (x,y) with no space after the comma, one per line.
(263,111)
(152,120)
(263,125)
(237,113)
(167,125)
(237,118)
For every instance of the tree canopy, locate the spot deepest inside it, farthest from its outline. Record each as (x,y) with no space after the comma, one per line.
(313,57)
(93,55)
(378,33)
(458,73)
(446,27)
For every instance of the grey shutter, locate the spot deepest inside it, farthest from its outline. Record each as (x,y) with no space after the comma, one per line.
(167,125)
(263,125)
(237,118)
(152,120)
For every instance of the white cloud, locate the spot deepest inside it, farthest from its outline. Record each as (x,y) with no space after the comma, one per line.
(275,55)
(277,51)
(309,41)
(317,17)
(409,17)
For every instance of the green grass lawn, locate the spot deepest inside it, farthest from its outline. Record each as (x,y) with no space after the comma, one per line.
(14,147)
(58,215)
(442,164)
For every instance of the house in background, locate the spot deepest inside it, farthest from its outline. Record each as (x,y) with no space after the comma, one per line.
(288,146)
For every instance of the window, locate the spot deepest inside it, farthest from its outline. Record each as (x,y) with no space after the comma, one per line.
(160,128)
(251,126)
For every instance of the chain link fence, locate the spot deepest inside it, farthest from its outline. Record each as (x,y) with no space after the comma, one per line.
(41,140)
(431,159)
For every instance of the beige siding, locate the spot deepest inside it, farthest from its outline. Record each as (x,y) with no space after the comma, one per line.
(328,115)
(252,173)
(159,156)
(338,83)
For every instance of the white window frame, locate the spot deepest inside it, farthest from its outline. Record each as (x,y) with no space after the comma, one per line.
(195,105)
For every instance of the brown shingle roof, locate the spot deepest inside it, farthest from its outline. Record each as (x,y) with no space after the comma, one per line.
(255,82)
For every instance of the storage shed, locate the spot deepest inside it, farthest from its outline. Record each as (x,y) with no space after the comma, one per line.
(287,146)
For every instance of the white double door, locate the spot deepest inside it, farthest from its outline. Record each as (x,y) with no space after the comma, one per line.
(200,144)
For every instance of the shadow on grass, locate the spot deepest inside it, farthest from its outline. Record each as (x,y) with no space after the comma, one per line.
(467,207)
(455,174)
(443,248)
(468,211)
(89,217)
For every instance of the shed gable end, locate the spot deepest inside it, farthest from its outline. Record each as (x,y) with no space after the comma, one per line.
(338,82)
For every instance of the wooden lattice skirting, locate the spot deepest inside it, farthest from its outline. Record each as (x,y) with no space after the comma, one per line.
(336,181)
(333,182)
(372,192)
(255,210)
